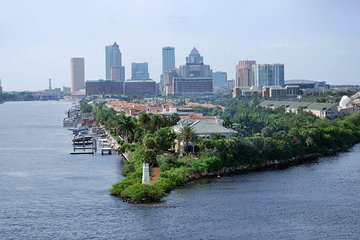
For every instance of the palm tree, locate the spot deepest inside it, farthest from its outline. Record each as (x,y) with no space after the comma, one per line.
(144,120)
(125,126)
(186,135)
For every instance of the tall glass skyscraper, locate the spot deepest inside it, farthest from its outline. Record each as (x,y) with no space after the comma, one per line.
(114,68)
(168,59)
(268,75)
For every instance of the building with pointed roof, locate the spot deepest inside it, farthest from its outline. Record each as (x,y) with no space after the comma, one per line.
(114,69)
(194,78)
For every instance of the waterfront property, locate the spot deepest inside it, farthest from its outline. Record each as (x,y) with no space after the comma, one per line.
(205,127)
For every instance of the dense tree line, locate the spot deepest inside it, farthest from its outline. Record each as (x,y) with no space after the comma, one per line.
(266,135)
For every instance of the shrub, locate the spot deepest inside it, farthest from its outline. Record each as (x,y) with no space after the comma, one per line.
(128,168)
(120,186)
(138,193)
(176,175)
(165,184)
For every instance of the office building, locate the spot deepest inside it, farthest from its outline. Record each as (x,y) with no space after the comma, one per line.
(100,87)
(0,87)
(244,74)
(77,69)
(219,79)
(195,66)
(167,81)
(168,59)
(192,86)
(114,69)
(139,87)
(195,77)
(139,71)
(268,75)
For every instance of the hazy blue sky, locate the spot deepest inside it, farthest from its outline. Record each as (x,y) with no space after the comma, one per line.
(315,39)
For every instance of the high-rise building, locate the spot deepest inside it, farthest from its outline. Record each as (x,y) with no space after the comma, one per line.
(113,60)
(219,79)
(167,79)
(194,78)
(139,71)
(115,73)
(0,87)
(168,59)
(77,69)
(268,75)
(244,74)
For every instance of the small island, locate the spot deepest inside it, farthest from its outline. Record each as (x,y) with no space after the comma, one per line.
(218,141)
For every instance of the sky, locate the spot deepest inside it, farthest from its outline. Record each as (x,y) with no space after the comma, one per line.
(315,39)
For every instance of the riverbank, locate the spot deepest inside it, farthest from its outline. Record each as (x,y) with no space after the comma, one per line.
(265,136)
(167,182)
(271,165)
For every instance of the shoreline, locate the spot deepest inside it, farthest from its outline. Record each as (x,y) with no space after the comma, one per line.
(271,165)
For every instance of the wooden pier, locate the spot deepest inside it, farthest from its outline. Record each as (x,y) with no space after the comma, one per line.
(84,145)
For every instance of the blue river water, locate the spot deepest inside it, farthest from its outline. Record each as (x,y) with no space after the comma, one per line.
(46,193)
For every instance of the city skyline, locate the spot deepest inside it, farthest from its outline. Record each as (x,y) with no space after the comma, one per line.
(309,38)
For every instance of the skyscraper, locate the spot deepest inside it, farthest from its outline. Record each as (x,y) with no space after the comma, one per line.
(194,78)
(219,79)
(268,75)
(139,71)
(195,66)
(77,68)
(113,60)
(168,59)
(244,74)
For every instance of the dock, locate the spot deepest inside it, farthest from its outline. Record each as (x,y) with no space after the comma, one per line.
(105,146)
(84,144)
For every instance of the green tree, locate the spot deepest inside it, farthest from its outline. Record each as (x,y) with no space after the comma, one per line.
(164,138)
(144,120)
(125,126)
(149,141)
(187,135)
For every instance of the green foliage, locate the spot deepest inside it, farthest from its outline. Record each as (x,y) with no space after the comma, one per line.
(166,184)
(176,175)
(138,193)
(128,168)
(150,157)
(120,186)
(187,135)
(85,107)
(149,141)
(167,162)
(164,138)
(265,135)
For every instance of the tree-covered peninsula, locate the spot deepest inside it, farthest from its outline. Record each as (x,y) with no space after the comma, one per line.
(266,138)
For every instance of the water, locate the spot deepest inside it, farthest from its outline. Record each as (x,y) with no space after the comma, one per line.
(46,193)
